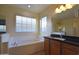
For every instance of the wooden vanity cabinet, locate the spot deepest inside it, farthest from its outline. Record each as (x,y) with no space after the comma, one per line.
(51,47)
(54,47)
(69,49)
(0,44)
(46,46)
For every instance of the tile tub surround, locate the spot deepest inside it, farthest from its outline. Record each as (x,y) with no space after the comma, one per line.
(28,49)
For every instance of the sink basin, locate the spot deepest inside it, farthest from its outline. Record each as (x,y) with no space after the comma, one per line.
(67,38)
(60,39)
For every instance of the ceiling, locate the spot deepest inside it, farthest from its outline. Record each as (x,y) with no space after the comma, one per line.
(36,8)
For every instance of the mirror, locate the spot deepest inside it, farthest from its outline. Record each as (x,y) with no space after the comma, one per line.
(67,22)
(2,24)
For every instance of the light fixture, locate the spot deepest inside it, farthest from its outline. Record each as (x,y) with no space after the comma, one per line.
(29,6)
(68,6)
(58,10)
(63,8)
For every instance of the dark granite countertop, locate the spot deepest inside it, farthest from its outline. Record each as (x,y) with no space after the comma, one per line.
(2,32)
(63,40)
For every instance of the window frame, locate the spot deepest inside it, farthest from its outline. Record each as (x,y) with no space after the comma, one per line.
(42,32)
(21,24)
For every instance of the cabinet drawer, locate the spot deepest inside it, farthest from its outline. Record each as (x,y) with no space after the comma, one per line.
(68,49)
(69,46)
(54,47)
(46,46)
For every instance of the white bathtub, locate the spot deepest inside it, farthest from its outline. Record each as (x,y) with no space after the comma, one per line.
(27,48)
(16,43)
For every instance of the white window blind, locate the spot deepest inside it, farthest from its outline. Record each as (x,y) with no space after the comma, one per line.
(43,26)
(25,24)
(2,28)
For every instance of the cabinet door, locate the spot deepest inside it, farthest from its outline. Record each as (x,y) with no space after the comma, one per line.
(54,47)
(0,44)
(4,48)
(46,46)
(68,49)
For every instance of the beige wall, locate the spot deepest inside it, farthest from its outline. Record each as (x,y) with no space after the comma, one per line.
(9,14)
(49,12)
(66,19)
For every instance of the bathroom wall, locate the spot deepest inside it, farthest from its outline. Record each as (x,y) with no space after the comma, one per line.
(9,13)
(49,12)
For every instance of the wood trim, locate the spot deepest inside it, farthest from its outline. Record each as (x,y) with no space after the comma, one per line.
(27,49)
(4,48)
(47,46)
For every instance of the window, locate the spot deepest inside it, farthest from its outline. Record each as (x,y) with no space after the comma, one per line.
(2,28)
(25,24)
(2,25)
(43,26)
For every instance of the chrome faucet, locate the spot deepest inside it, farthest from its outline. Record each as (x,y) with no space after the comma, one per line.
(61,36)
